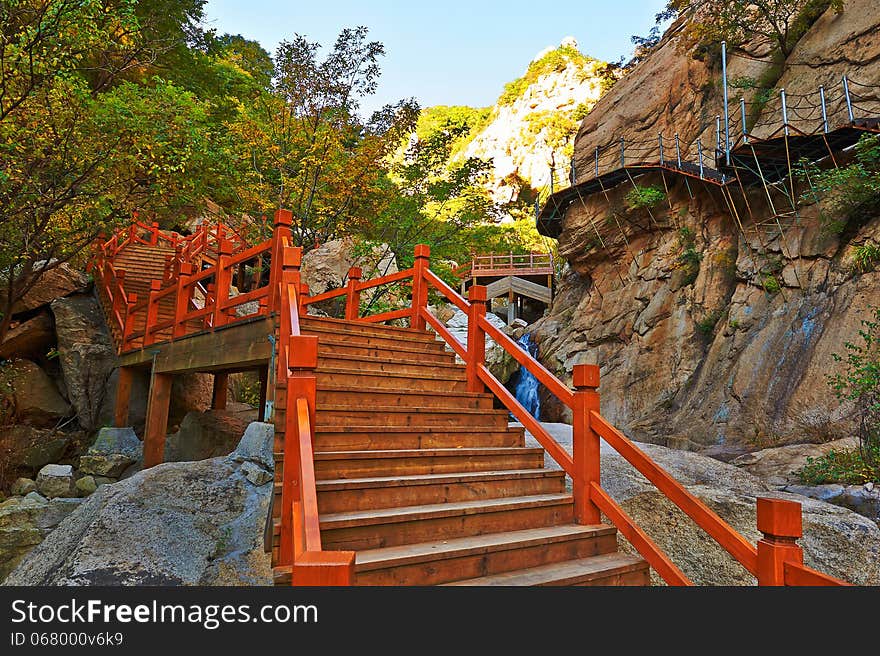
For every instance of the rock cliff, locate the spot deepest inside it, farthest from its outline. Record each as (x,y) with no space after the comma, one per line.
(696,348)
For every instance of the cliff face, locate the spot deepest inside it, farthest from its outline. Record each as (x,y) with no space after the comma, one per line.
(529,129)
(715,354)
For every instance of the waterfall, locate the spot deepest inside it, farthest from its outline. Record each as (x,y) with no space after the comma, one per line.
(526,385)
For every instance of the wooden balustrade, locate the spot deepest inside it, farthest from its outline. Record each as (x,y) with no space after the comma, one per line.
(777,559)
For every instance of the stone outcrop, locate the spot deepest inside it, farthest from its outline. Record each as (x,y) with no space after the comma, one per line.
(87,355)
(30,448)
(836,541)
(776,466)
(672,301)
(59,281)
(56,481)
(31,338)
(34,395)
(326,267)
(187,523)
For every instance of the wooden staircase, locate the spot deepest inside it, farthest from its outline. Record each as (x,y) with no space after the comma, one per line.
(426,481)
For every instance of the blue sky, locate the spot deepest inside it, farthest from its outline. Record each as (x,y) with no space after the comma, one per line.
(445,52)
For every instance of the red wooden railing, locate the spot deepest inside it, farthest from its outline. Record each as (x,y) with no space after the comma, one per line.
(507,264)
(776,560)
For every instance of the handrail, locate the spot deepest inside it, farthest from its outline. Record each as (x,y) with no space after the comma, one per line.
(720,531)
(796,574)
(448,292)
(311,527)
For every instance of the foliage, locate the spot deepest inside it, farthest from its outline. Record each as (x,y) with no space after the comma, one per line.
(644,197)
(782,22)
(849,196)
(689,259)
(848,467)
(306,146)
(860,383)
(553,61)
(707,324)
(866,256)
(88,132)
(770,283)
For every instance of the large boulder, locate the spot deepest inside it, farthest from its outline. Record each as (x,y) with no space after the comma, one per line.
(59,281)
(327,267)
(204,435)
(34,397)
(836,540)
(29,339)
(186,523)
(87,355)
(499,361)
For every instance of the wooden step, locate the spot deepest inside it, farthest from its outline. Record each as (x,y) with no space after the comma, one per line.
(388,342)
(604,569)
(442,381)
(365,438)
(410,462)
(343,415)
(432,563)
(388,349)
(345,495)
(415,400)
(371,529)
(396,366)
(343,327)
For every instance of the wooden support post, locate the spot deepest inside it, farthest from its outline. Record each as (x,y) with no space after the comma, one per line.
(152,312)
(123,396)
(264,393)
(223,280)
(511,307)
(781,523)
(303,295)
(154,233)
(301,383)
(157,419)
(353,295)
(181,300)
(420,285)
(218,398)
(476,343)
(280,232)
(585,442)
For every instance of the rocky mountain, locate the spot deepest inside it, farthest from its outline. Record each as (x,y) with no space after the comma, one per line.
(530,128)
(714,328)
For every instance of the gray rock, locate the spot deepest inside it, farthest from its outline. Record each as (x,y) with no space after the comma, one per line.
(257,445)
(862,500)
(828,492)
(256,474)
(23,486)
(18,532)
(192,523)
(36,497)
(36,398)
(776,466)
(87,355)
(60,280)
(56,481)
(86,485)
(110,465)
(118,441)
(55,511)
(204,435)
(33,447)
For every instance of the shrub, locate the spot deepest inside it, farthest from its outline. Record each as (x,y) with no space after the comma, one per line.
(707,324)
(770,283)
(847,467)
(866,256)
(690,258)
(644,197)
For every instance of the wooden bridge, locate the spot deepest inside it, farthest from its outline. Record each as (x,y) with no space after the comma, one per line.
(394,464)
(516,276)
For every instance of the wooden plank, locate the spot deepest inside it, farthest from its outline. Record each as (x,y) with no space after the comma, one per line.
(123,396)
(519,286)
(157,419)
(802,575)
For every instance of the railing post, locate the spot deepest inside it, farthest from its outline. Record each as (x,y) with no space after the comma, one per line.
(118,301)
(677,150)
(152,312)
(784,112)
(781,523)
(824,109)
(849,107)
(128,325)
(280,232)
(742,109)
(222,280)
(154,233)
(303,294)
(585,442)
(181,300)
(420,285)
(300,382)
(700,156)
(476,343)
(352,294)
(660,141)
